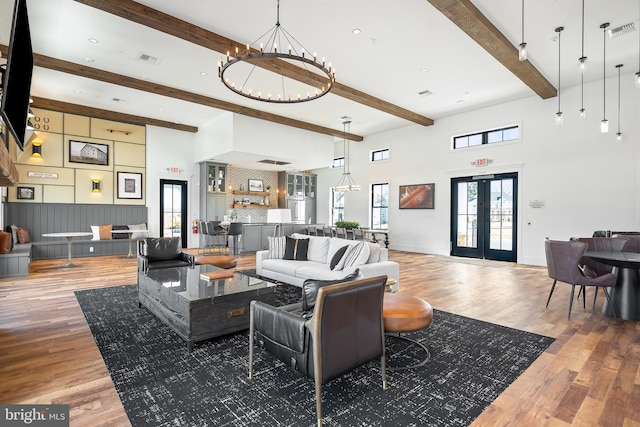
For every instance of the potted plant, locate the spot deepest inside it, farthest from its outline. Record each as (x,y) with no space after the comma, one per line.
(347,224)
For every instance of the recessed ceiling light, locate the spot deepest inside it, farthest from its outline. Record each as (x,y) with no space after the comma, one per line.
(161,109)
(424,70)
(202,73)
(77,91)
(92,40)
(90,60)
(356,31)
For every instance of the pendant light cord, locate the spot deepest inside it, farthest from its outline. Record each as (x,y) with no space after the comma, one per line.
(522,21)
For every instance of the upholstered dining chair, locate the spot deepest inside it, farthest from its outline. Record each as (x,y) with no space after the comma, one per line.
(336,328)
(563,259)
(600,244)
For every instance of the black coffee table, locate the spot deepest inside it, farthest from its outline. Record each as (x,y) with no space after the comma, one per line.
(196,308)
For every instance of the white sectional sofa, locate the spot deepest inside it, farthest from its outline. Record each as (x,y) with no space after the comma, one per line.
(319,255)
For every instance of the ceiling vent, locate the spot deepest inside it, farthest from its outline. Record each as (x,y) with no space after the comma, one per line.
(149,59)
(119,100)
(273,162)
(425,92)
(623,29)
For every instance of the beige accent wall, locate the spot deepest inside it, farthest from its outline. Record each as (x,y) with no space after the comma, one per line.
(60,180)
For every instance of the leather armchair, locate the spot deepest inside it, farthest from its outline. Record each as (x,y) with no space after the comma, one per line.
(162,252)
(307,337)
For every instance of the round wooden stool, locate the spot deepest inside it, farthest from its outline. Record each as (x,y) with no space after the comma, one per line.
(225,262)
(406,313)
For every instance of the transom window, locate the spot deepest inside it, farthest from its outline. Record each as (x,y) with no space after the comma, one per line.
(509,133)
(338,162)
(379,206)
(379,155)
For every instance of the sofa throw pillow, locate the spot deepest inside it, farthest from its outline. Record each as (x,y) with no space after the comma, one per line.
(276,247)
(5,242)
(105,232)
(119,235)
(95,230)
(335,260)
(13,241)
(310,289)
(14,232)
(357,255)
(23,235)
(374,253)
(296,249)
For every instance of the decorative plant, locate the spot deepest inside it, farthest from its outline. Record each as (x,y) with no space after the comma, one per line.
(348,224)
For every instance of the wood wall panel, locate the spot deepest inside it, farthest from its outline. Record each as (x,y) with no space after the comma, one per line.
(65,176)
(58,194)
(77,125)
(107,129)
(129,154)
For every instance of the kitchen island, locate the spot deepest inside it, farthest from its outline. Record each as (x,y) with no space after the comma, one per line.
(254,234)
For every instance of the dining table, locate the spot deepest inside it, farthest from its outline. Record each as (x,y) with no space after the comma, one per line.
(69,235)
(625,295)
(374,239)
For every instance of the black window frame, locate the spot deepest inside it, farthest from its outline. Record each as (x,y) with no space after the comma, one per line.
(485,137)
(383,150)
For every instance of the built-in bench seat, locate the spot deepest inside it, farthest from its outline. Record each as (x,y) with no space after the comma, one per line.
(16,263)
(57,248)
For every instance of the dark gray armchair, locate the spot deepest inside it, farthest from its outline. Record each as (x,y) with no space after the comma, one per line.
(563,259)
(337,327)
(162,252)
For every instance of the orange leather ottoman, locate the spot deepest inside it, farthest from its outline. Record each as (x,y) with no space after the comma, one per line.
(217,260)
(406,313)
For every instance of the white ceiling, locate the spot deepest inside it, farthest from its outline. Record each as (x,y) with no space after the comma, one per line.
(404,47)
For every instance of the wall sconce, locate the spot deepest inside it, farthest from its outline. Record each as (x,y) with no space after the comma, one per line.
(36,149)
(96,185)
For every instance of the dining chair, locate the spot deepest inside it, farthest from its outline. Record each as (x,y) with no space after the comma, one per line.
(599,244)
(328,231)
(311,231)
(341,232)
(563,260)
(358,234)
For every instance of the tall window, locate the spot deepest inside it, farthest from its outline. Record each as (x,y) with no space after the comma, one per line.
(338,162)
(509,133)
(337,206)
(379,206)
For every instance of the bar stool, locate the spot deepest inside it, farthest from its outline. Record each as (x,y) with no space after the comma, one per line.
(235,231)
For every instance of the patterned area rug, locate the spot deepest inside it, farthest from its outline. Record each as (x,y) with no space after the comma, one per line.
(161,384)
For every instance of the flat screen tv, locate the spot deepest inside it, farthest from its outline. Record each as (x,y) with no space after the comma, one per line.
(16,85)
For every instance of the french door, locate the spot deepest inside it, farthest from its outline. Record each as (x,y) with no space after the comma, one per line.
(173,209)
(484,216)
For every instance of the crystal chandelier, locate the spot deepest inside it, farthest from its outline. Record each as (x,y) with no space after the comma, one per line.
(346,182)
(279,56)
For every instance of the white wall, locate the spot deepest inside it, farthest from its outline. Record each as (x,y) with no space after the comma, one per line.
(167,148)
(588,180)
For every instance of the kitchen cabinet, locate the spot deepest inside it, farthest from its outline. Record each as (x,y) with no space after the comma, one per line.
(213,196)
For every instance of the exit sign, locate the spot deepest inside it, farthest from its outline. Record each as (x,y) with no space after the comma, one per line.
(482,162)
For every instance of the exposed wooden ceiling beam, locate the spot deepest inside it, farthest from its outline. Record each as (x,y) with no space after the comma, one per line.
(146,86)
(171,25)
(470,20)
(81,110)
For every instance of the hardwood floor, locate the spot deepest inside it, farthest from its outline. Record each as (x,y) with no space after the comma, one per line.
(589,376)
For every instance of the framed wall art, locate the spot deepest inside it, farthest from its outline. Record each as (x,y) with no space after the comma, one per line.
(25,193)
(256,185)
(417,196)
(88,152)
(129,185)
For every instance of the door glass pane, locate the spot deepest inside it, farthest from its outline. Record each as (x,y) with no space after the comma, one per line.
(501,215)
(172,217)
(467,214)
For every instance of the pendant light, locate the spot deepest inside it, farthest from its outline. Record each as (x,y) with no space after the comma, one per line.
(582,61)
(638,73)
(559,113)
(346,182)
(619,134)
(522,48)
(604,124)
